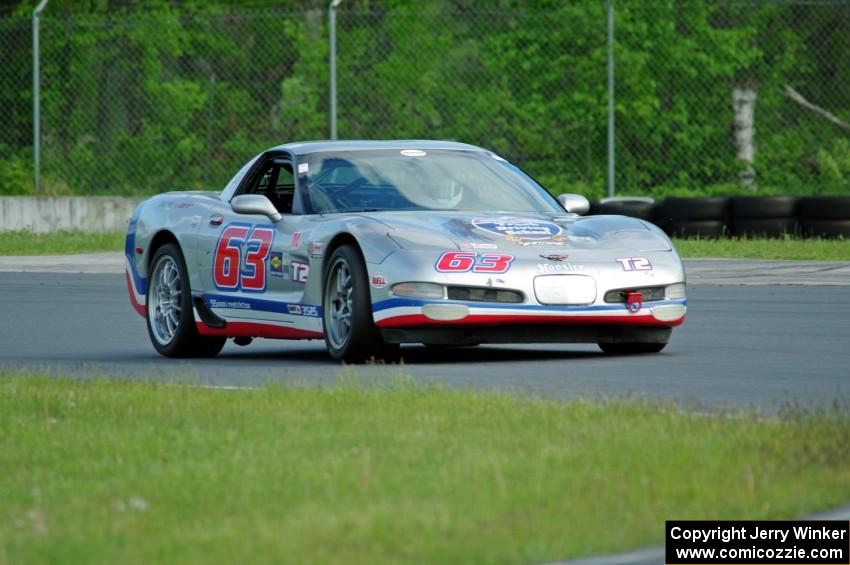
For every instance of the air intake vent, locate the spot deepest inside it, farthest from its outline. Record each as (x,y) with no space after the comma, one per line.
(480,294)
(647,294)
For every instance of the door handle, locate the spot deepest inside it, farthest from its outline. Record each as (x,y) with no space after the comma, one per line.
(216,220)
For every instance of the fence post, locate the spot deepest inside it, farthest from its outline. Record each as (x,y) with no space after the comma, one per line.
(611,158)
(332,62)
(36,96)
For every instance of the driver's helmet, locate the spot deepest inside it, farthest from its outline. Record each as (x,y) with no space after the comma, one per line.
(444,193)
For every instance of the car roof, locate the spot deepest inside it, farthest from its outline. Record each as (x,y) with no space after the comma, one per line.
(306,147)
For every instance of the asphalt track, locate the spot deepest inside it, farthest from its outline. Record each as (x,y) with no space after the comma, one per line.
(742,345)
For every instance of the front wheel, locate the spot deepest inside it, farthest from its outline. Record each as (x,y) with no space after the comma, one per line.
(171,323)
(350,332)
(631,348)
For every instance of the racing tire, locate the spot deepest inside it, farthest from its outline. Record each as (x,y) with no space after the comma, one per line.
(824,208)
(766,227)
(689,209)
(763,207)
(169,313)
(828,229)
(350,331)
(710,229)
(631,208)
(631,348)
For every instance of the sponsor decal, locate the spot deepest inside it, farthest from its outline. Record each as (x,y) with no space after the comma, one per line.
(557,240)
(635,264)
(560,267)
(299,310)
(473,245)
(379,281)
(232,304)
(511,228)
(300,272)
(412,152)
(556,258)
(314,249)
(296,240)
(303,168)
(465,261)
(276,264)
(172,204)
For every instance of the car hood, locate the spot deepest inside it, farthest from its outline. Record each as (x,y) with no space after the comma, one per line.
(517,231)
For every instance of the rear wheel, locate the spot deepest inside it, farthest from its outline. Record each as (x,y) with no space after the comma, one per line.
(171,323)
(350,331)
(631,348)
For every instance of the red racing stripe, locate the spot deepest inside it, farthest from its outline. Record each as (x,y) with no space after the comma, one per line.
(253,329)
(140,309)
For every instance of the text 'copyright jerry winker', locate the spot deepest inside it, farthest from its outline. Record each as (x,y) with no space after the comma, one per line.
(811,542)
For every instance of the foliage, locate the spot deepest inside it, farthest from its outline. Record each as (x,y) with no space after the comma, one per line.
(146,97)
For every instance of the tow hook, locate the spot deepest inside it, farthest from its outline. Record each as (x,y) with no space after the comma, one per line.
(634,301)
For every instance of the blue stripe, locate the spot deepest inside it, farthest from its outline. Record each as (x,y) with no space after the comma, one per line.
(406,302)
(261,305)
(140,282)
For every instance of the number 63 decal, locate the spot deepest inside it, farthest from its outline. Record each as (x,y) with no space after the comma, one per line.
(229,270)
(465,261)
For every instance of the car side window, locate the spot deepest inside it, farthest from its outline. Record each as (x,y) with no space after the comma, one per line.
(277,183)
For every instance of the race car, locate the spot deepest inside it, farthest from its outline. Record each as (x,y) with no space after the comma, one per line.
(373,244)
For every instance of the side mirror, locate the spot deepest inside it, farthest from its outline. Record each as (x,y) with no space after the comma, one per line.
(255,204)
(574,203)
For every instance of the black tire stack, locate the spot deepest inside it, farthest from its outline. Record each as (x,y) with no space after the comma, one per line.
(740,216)
(694,217)
(634,207)
(825,216)
(764,216)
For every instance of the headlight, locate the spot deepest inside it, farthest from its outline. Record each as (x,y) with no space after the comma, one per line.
(419,290)
(675,292)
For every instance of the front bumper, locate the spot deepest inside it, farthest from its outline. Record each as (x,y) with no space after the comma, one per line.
(409,312)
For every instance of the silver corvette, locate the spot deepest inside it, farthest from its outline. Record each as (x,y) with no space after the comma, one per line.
(371,244)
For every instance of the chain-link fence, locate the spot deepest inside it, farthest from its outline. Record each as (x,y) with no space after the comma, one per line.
(710,96)
(529,84)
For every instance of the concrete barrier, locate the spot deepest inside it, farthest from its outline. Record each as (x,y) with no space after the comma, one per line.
(74,213)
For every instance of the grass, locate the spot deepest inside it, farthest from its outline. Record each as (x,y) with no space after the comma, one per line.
(26,242)
(62,243)
(787,248)
(102,471)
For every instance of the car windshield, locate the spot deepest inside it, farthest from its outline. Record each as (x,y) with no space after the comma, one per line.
(413,179)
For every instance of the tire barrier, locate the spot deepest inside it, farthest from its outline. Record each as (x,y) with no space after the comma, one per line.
(825,216)
(642,208)
(765,216)
(740,216)
(694,217)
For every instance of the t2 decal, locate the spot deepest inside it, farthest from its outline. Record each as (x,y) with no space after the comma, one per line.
(465,261)
(240,257)
(635,264)
(300,272)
